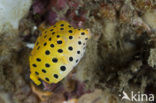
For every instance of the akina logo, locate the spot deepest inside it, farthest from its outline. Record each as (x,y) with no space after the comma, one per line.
(137,97)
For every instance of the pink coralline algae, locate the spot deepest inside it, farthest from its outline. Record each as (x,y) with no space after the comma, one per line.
(51,18)
(75,89)
(53,10)
(58,4)
(39,7)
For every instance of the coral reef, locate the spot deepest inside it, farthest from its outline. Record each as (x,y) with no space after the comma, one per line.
(119,57)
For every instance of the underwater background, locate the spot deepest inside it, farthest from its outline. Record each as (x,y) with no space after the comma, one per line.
(120,56)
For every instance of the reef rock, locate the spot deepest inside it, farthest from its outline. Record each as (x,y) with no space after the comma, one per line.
(11,12)
(152,59)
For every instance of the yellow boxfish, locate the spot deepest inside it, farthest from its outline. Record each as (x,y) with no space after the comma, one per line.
(56,52)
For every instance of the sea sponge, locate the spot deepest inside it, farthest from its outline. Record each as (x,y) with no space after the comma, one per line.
(11,12)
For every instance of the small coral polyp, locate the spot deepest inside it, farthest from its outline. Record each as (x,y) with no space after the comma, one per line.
(57,51)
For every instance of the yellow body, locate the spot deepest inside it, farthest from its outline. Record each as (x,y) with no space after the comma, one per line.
(56,52)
